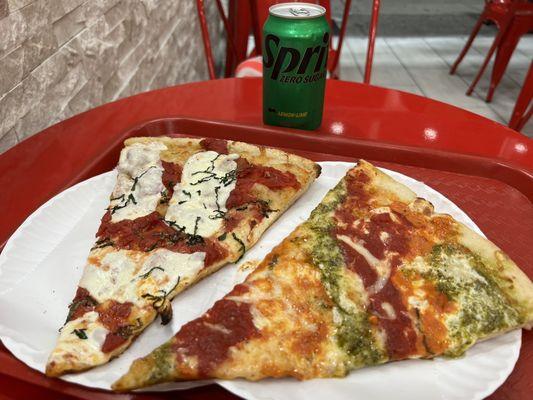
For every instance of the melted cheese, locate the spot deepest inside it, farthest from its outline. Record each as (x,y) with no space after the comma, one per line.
(125,276)
(162,268)
(352,294)
(85,350)
(139,182)
(199,201)
(138,157)
(457,267)
(418,301)
(111,278)
(389,309)
(370,259)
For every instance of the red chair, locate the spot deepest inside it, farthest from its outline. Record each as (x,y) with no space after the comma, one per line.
(523,107)
(521,24)
(246,16)
(512,18)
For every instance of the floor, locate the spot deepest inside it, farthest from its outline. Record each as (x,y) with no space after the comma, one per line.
(418,40)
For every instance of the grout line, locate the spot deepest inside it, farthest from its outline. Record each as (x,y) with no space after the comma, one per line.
(352,54)
(130,77)
(404,67)
(488,105)
(521,52)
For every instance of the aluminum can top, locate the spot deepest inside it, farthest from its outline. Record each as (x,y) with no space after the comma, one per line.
(296,10)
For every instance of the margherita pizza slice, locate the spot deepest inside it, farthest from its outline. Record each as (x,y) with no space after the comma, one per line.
(180,210)
(374,275)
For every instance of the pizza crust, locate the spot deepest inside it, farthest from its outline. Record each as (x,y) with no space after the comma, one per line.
(383,182)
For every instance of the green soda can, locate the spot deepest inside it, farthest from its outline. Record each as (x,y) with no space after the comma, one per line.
(295,54)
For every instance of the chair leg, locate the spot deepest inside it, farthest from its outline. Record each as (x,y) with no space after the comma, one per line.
(207,41)
(522,102)
(469,42)
(493,48)
(503,55)
(230,43)
(371,40)
(524,120)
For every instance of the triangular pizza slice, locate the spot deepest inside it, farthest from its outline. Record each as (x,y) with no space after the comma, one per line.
(180,210)
(374,275)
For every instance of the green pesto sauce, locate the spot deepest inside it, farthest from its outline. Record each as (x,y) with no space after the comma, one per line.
(354,334)
(355,337)
(161,366)
(483,307)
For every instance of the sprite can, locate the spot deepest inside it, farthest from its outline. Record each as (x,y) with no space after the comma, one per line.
(295,54)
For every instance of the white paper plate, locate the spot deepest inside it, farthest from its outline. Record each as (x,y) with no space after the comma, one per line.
(42,263)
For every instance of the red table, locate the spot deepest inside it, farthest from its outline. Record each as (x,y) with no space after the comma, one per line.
(352,110)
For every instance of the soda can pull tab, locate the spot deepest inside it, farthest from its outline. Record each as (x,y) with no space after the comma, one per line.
(299,12)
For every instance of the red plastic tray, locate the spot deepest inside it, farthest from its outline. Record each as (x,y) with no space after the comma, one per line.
(497,195)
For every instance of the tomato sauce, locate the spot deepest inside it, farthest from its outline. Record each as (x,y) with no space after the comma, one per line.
(357,198)
(233,325)
(248,175)
(433,316)
(218,145)
(82,303)
(114,314)
(358,264)
(112,341)
(151,232)
(171,176)
(115,317)
(402,339)
(380,234)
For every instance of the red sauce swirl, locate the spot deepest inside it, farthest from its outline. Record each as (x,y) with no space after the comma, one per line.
(210,337)
(401,335)
(151,232)
(248,175)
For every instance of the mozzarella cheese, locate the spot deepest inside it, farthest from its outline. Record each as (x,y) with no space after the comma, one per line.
(139,182)
(125,276)
(85,350)
(199,201)
(138,157)
(457,267)
(389,309)
(162,269)
(111,278)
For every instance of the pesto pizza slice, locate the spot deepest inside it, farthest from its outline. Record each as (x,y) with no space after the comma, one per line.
(374,275)
(180,210)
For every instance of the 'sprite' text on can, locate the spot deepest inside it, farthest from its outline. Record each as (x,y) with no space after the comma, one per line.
(295,55)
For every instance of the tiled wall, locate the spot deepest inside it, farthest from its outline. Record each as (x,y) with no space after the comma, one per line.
(61,57)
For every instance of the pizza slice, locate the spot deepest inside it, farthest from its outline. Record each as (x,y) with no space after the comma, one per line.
(180,210)
(374,275)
